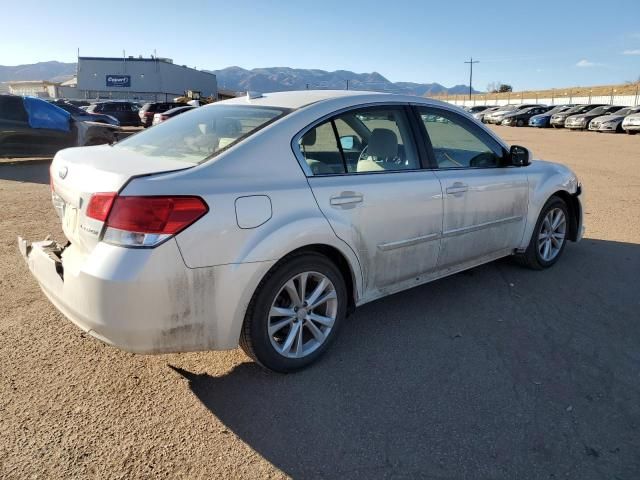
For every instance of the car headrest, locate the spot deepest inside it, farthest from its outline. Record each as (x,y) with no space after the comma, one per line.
(383,143)
(228,127)
(309,138)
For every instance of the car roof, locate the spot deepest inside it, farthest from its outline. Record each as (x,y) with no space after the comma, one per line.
(298,99)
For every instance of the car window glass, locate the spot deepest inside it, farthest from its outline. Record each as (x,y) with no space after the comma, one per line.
(199,136)
(368,140)
(12,108)
(320,150)
(455,144)
(381,140)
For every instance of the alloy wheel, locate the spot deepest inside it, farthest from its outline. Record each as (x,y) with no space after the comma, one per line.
(552,234)
(302,314)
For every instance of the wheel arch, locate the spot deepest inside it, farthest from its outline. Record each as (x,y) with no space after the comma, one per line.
(338,258)
(575,213)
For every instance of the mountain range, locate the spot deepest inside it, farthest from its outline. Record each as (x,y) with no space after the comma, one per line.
(271,79)
(276,79)
(53,71)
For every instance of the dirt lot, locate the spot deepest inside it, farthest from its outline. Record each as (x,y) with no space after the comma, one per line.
(496,373)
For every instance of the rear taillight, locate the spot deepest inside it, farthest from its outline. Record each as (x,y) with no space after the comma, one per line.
(144,221)
(100,204)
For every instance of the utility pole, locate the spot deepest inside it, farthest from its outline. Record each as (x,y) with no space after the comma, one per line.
(471,62)
(347,84)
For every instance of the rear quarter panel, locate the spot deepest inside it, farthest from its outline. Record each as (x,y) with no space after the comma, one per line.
(263,165)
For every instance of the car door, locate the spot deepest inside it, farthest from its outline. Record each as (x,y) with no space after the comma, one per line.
(14,126)
(133,118)
(485,203)
(365,172)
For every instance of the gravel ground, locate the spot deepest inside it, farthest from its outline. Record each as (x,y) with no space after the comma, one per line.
(496,373)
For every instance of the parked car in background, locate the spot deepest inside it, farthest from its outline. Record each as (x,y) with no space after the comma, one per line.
(476,108)
(581,121)
(79,114)
(612,122)
(148,110)
(543,120)
(631,123)
(126,112)
(521,118)
(161,117)
(497,116)
(77,103)
(489,117)
(180,243)
(480,115)
(558,119)
(31,126)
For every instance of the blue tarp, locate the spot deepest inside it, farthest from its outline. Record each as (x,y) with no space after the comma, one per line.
(45,115)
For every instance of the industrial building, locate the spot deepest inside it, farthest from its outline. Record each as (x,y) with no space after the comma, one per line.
(136,78)
(33,88)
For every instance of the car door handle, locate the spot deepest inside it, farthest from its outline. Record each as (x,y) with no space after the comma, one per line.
(346,199)
(457,188)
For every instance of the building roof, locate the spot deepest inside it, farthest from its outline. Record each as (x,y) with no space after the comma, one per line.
(30,82)
(129,59)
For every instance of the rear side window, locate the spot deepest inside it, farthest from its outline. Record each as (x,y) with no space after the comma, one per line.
(12,108)
(202,133)
(372,139)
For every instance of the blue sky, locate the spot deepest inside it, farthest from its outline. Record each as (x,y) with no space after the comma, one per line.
(527,44)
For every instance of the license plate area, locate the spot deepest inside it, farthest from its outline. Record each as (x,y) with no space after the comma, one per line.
(69,219)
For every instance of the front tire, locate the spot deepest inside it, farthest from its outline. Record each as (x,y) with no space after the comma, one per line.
(295,313)
(549,235)
(520,123)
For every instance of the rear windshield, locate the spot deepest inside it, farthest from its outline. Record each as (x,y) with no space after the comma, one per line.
(201,133)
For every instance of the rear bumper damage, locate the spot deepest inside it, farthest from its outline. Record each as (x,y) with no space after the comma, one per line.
(144,300)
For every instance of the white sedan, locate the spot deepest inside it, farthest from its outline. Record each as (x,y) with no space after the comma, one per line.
(263,221)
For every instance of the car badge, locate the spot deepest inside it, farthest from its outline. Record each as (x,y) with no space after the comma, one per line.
(62,173)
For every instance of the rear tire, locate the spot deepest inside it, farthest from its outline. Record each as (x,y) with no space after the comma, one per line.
(520,123)
(548,239)
(631,132)
(295,313)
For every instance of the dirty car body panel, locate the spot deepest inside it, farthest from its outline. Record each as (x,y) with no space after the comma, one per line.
(393,222)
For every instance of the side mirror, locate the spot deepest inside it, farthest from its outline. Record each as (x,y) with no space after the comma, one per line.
(519,156)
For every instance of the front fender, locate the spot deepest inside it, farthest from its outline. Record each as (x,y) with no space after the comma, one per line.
(546,179)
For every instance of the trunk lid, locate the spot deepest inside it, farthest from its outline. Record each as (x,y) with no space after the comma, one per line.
(77,173)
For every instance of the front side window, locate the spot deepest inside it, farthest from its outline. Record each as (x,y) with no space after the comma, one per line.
(373,139)
(456,143)
(201,133)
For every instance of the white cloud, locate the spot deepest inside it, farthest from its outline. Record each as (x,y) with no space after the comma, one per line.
(586,63)
(631,52)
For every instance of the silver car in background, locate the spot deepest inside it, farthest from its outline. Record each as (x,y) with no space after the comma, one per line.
(631,124)
(263,221)
(497,116)
(613,121)
(480,115)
